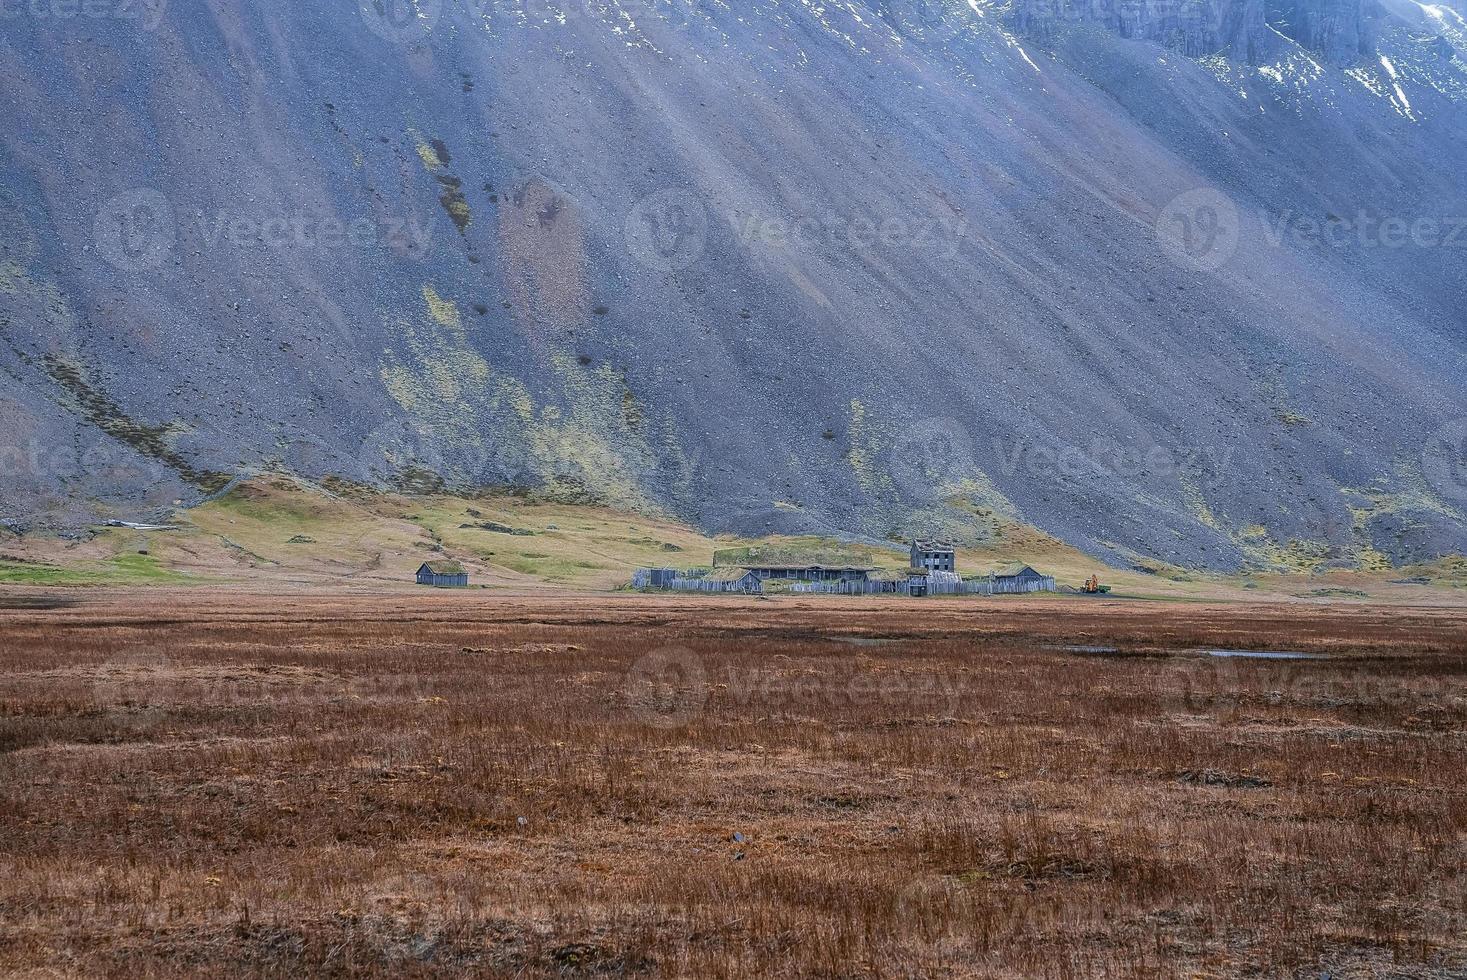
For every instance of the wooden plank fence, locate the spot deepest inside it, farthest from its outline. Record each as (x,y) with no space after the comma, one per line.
(710,585)
(938,583)
(850,587)
(1005,586)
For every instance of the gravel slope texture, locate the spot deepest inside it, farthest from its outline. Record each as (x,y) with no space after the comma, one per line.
(1184,284)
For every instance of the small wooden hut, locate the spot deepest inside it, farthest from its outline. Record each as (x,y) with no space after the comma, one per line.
(443,575)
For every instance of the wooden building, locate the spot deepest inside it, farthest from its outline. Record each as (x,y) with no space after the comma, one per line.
(935,556)
(748,578)
(656,578)
(1020,578)
(737,580)
(810,573)
(443,575)
(917,583)
(932,572)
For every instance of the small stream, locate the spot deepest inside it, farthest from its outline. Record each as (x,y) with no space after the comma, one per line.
(1268,654)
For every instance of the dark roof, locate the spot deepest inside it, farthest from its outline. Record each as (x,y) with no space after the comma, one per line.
(443,567)
(1015,570)
(794,554)
(726,574)
(783,567)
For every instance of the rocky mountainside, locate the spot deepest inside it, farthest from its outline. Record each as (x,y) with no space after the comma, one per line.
(1237,29)
(1256,32)
(1177,281)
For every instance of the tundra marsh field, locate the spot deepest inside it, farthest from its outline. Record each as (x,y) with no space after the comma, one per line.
(234,784)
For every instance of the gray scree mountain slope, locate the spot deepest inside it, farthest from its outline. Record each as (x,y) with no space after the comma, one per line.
(1133,274)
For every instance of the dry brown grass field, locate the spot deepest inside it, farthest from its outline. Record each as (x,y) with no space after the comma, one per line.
(225,784)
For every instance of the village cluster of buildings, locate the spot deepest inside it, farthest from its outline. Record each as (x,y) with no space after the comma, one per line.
(933,571)
(751,571)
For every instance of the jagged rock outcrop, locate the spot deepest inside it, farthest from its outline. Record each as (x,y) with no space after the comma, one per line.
(1251,31)
(1197,28)
(1339,31)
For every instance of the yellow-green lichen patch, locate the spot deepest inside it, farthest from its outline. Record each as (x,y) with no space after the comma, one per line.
(584,450)
(11,277)
(444,311)
(863,450)
(979,489)
(930,481)
(436,157)
(453,201)
(1412,495)
(429,156)
(1361,515)
(891,467)
(436,377)
(588,447)
(1254,542)
(1198,506)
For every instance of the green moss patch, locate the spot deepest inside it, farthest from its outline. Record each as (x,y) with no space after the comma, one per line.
(121,570)
(102,411)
